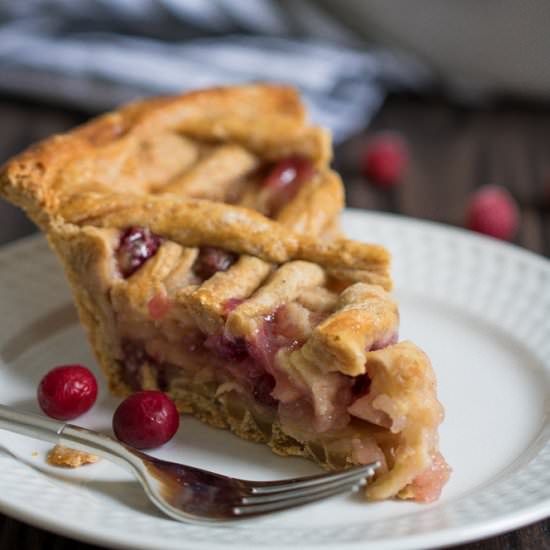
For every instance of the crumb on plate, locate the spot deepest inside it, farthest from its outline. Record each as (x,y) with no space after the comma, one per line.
(69,458)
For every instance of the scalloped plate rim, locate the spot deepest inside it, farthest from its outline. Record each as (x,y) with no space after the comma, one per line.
(46,519)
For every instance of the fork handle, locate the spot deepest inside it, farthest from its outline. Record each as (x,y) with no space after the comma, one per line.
(76,437)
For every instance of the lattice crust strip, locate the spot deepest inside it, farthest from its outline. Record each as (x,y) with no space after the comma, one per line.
(205,223)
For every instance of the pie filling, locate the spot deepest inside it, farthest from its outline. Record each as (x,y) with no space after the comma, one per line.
(282,183)
(342,419)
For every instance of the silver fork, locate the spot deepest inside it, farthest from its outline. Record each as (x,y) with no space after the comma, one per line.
(186,493)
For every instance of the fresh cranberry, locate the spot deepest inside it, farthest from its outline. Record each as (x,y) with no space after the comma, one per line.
(146,420)
(136,246)
(263,388)
(385,159)
(67,392)
(285,179)
(493,211)
(211,260)
(361,385)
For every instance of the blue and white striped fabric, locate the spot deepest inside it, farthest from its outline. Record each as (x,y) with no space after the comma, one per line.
(96,54)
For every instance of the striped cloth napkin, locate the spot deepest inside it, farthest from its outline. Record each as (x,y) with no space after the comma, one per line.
(95,54)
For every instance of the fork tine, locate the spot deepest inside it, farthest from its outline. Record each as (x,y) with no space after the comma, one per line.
(301,490)
(260,488)
(296,500)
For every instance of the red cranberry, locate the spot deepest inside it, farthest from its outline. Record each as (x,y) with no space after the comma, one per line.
(159,305)
(135,357)
(285,179)
(263,388)
(211,260)
(67,392)
(146,420)
(276,332)
(230,350)
(231,304)
(193,339)
(493,211)
(136,246)
(385,159)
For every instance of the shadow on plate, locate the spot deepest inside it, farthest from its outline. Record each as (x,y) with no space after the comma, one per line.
(126,492)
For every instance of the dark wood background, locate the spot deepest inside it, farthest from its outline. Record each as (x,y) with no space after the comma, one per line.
(453,150)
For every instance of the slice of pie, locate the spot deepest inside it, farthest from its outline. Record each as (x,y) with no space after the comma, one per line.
(200,236)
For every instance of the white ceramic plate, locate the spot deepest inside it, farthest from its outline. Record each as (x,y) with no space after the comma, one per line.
(478,307)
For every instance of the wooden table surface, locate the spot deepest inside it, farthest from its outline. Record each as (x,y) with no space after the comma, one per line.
(453,150)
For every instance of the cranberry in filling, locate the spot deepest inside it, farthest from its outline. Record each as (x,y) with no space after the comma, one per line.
(285,179)
(134,357)
(211,260)
(361,385)
(231,304)
(385,342)
(230,350)
(136,246)
(193,340)
(276,332)
(427,486)
(243,367)
(263,388)
(159,305)
(250,362)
